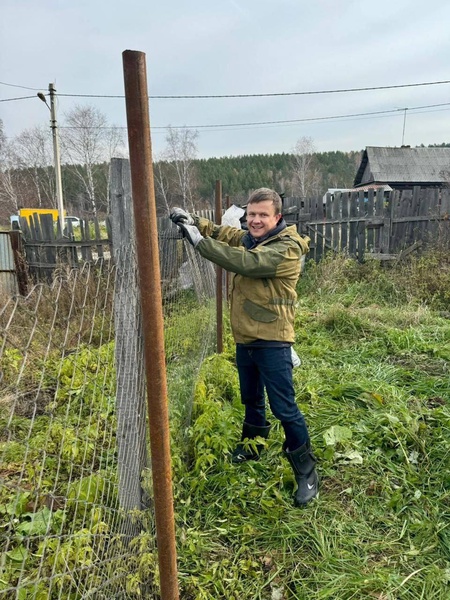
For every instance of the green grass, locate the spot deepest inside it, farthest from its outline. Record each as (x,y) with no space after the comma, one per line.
(374,386)
(375,389)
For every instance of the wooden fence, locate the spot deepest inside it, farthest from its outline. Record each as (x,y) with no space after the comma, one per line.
(43,248)
(366,224)
(371,224)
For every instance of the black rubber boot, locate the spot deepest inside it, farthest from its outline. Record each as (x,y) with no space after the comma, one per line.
(250,432)
(303,463)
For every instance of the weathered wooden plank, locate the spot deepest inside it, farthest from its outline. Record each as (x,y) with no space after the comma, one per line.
(19,262)
(389,228)
(36,233)
(130,394)
(428,206)
(48,253)
(312,234)
(344,210)
(71,254)
(412,228)
(444,213)
(380,256)
(445,203)
(379,210)
(335,228)
(370,211)
(320,241)
(316,206)
(416,219)
(353,227)
(304,216)
(410,249)
(402,209)
(361,240)
(328,233)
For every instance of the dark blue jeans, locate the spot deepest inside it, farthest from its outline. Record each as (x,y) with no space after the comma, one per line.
(270,368)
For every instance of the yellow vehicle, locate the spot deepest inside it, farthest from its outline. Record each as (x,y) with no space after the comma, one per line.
(27,213)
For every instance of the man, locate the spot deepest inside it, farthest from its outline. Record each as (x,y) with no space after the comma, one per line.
(265,260)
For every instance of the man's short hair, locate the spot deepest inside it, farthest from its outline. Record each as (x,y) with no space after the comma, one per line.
(266,194)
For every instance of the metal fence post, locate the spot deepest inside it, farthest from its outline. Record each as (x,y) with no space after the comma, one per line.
(219,273)
(138,121)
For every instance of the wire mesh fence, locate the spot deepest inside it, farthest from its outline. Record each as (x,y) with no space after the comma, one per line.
(75,481)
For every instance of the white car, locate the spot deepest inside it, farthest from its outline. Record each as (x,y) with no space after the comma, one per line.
(74,220)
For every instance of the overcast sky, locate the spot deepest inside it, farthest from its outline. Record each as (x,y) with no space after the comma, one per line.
(207,47)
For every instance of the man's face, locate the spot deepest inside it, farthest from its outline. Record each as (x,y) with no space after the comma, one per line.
(261,218)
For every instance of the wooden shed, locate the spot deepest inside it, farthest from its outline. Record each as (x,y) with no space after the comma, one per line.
(404,167)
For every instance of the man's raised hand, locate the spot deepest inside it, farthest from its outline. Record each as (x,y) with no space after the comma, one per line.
(179,215)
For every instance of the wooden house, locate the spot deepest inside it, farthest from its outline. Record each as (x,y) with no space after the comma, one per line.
(403,168)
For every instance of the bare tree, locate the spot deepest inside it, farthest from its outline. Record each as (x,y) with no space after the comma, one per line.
(14,188)
(2,138)
(175,173)
(88,143)
(162,184)
(33,148)
(306,174)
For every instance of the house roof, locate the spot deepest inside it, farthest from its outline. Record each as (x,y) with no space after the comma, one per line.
(404,165)
(365,187)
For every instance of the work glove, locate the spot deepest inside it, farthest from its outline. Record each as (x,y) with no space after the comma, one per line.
(296,361)
(178,215)
(190,232)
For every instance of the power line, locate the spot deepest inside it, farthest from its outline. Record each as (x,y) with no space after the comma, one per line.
(281,122)
(328,118)
(19,98)
(265,95)
(24,87)
(259,123)
(212,96)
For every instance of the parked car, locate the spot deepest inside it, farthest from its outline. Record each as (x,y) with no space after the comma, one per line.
(74,220)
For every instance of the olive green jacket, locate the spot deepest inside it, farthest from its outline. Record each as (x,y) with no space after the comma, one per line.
(263,290)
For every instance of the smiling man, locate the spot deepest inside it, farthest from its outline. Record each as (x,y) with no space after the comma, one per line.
(265,261)
(261,219)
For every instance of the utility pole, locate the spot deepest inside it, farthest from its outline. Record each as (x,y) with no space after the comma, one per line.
(404,127)
(56,155)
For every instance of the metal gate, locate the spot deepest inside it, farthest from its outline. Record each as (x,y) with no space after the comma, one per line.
(8,280)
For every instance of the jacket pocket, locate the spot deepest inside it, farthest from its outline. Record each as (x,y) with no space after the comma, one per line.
(259,313)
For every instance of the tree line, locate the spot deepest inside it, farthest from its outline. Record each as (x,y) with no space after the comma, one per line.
(240,174)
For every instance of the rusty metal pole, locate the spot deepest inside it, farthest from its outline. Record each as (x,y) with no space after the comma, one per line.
(142,185)
(219,274)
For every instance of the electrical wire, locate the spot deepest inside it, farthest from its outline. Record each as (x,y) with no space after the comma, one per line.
(19,98)
(266,95)
(391,111)
(24,87)
(262,95)
(235,126)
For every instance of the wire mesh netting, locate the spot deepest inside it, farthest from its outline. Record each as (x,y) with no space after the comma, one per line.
(75,482)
